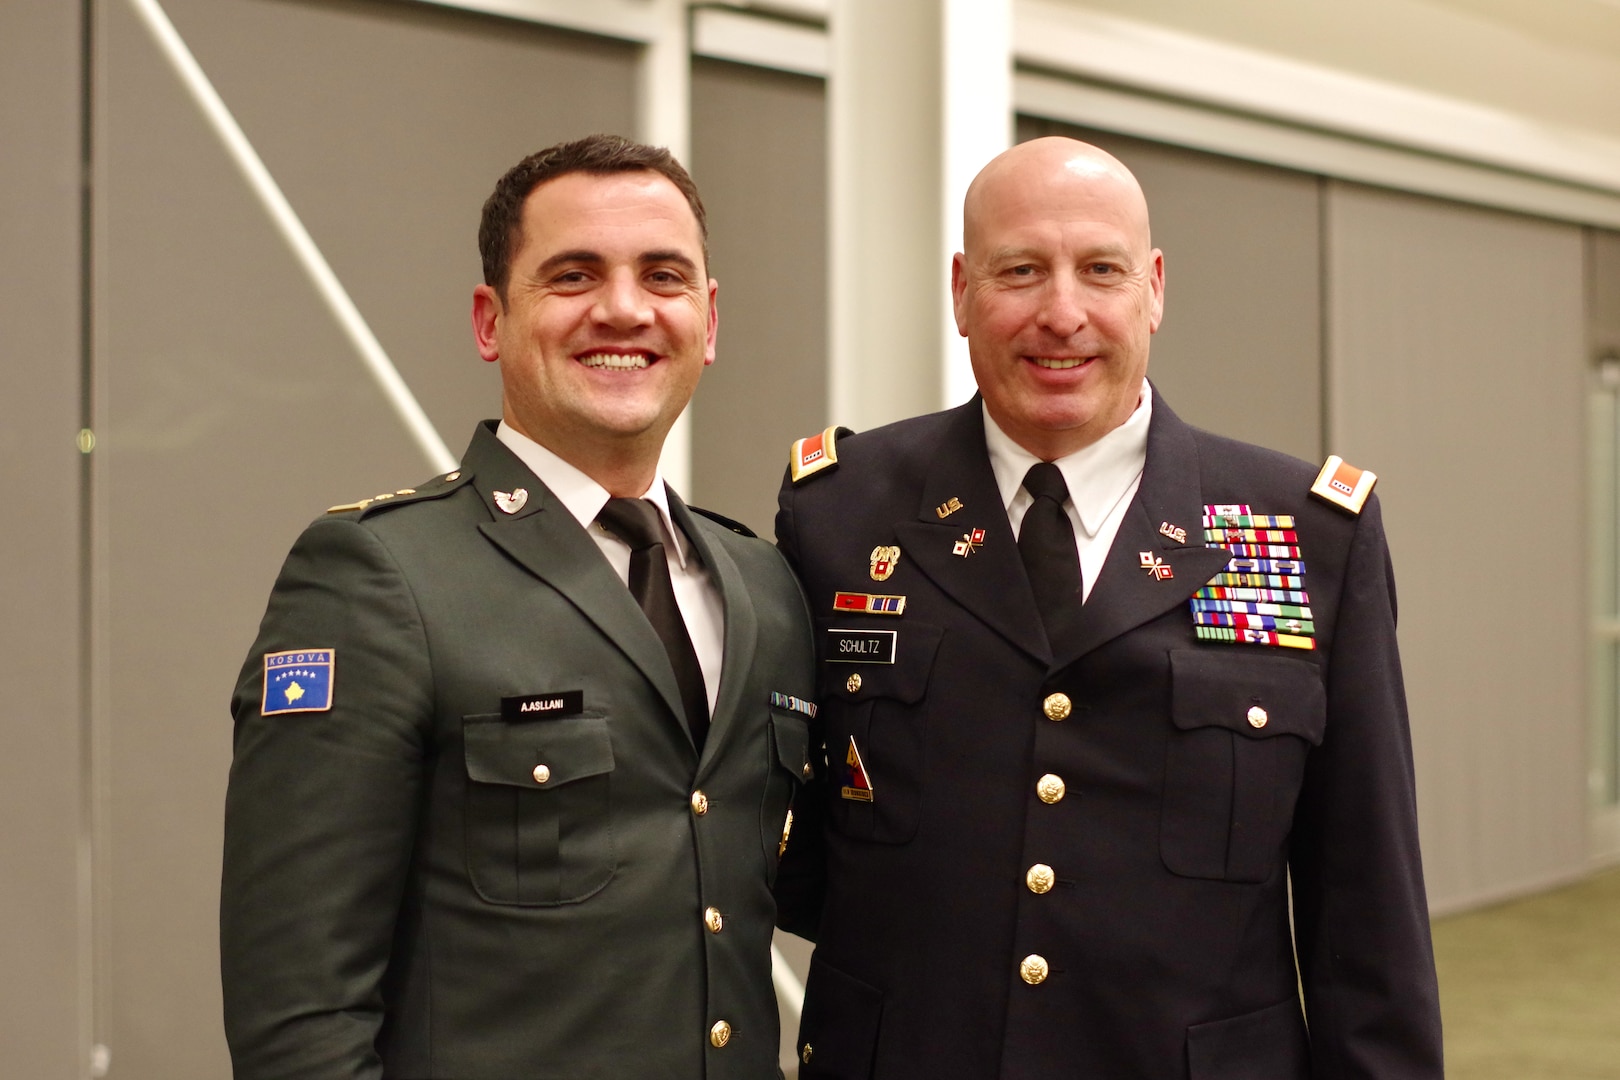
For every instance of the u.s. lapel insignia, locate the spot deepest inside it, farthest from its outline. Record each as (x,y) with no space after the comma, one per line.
(948,507)
(1155,566)
(1174,532)
(512,501)
(1343,485)
(883,562)
(859,788)
(1260,597)
(970,542)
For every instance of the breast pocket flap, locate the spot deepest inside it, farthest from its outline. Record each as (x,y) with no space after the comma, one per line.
(905,680)
(1258,697)
(538,755)
(790,735)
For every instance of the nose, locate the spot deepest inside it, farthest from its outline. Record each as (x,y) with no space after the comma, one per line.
(1063,309)
(622,303)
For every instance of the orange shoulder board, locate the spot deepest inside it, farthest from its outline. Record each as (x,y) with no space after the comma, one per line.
(1343,484)
(815,453)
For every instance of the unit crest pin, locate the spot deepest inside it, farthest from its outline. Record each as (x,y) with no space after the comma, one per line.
(883,561)
(512,501)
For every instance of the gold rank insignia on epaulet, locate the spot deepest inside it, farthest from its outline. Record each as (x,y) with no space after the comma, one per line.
(816,453)
(1343,484)
(447,478)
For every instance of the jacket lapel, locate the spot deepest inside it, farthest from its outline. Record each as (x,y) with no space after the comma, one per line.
(1127,593)
(990,581)
(546,540)
(742,627)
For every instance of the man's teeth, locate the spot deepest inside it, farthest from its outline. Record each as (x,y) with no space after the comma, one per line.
(616,361)
(1057,365)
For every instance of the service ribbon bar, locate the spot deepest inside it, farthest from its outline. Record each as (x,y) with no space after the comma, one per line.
(1260,597)
(1254,637)
(1248,521)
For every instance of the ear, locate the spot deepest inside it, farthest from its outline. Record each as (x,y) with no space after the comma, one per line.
(487,310)
(714,322)
(1156,282)
(959,291)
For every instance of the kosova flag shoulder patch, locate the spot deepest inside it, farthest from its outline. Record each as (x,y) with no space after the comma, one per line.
(298,680)
(1343,485)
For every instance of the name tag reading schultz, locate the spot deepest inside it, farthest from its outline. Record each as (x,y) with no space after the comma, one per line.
(861,646)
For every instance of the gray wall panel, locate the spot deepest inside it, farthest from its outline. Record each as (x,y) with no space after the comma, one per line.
(1240,349)
(43,1024)
(1457,375)
(234,411)
(759,157)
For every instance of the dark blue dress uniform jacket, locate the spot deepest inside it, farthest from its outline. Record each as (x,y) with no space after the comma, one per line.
(1166,935)
(402,898)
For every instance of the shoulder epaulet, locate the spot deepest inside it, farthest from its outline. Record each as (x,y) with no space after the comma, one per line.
(735,526)
(1343,485)
(432,489)
(816,453)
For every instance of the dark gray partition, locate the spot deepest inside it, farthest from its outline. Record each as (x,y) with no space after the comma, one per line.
(759,155)
(1458,376)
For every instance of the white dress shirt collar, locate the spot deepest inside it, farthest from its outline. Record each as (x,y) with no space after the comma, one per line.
(1099,475)
(583,496)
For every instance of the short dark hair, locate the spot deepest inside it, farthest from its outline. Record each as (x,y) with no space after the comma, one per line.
(500,230)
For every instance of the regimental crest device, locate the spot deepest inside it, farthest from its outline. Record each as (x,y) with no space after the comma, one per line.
(884,560)
(298,680)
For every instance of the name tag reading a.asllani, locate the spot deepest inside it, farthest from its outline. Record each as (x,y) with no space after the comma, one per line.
(543,706)
(861,646)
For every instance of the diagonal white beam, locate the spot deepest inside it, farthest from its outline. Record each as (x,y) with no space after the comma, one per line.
(287,222)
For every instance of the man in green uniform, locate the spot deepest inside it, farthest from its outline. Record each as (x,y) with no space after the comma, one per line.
(514,748)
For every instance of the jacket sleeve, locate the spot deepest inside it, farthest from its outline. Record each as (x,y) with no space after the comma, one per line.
(801,876)
(1360,913)
(321,815)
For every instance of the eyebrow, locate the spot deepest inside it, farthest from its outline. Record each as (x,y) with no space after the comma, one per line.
(592,258)
(1116,251)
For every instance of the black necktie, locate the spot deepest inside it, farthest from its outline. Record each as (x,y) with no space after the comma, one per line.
(1046,544)
(636,522)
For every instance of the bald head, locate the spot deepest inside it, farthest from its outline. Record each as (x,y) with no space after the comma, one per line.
(1057,289)
(1072,171)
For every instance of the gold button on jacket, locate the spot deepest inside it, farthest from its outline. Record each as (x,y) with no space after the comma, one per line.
(1040,878)
(1034,969)
(1057,706)
(1050,788)
(720,1034)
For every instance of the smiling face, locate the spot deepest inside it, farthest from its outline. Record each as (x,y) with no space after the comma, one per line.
(1058,291)
(607,321)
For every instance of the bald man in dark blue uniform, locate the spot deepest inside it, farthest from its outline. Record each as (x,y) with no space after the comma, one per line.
(1095,686)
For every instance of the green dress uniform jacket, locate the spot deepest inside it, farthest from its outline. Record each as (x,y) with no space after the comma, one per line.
(1077,864)
(497,855)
